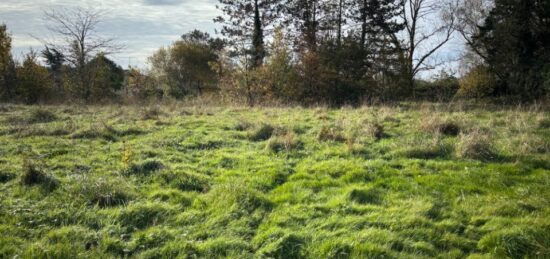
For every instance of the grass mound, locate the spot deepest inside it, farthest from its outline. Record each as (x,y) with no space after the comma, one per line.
(41,116)
(151,113)
(145,168)
(286,143)
(185,181)
(264,132)
(476,145)
(6,177)
(282,245)
(328,133)
(366,196)
(103,192)
(143,215)
(32,175)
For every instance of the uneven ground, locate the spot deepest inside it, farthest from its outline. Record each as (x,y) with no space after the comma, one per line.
(410,181)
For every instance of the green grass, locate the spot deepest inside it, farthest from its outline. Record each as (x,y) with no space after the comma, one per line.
(407,181)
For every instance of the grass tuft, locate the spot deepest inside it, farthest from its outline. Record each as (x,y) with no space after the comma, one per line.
(476,145)
(32,175)
(366,196)
(41,116)
(103,192)
(264,132)
(145,168)
(286,143)
(328,133)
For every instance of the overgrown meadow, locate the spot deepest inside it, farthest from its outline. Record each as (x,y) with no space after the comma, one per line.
(402,181)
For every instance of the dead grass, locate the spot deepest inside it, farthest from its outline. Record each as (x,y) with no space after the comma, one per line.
(476,144)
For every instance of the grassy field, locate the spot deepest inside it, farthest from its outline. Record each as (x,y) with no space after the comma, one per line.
(405,181)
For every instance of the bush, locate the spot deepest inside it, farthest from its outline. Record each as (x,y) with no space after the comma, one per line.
(478,82)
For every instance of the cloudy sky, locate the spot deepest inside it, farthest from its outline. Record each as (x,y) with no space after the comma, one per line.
(142,26)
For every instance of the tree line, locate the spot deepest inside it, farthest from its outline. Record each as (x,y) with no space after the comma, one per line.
(333,52)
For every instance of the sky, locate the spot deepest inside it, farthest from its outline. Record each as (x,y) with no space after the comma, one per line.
(141,26)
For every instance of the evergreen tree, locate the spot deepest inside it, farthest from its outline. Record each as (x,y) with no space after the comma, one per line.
(245,23)
(7,66)
(516,41)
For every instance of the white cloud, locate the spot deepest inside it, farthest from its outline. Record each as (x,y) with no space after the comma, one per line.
(141,25)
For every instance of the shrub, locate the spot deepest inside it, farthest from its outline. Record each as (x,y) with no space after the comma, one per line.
(475,145)
(264,132)
(478,82)
(35,176)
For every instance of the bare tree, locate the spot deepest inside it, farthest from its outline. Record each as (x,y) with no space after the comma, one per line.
(424,35)
(77,37)
(470,16)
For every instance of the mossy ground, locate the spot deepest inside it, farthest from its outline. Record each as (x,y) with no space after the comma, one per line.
(201,182)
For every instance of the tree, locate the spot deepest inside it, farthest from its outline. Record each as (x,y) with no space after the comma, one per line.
(107,77)
(7,66)
(33,80)
(470,16)
(77,30)
(55,61)
(423,36)
(515,38)
(186,66)
(245,23)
